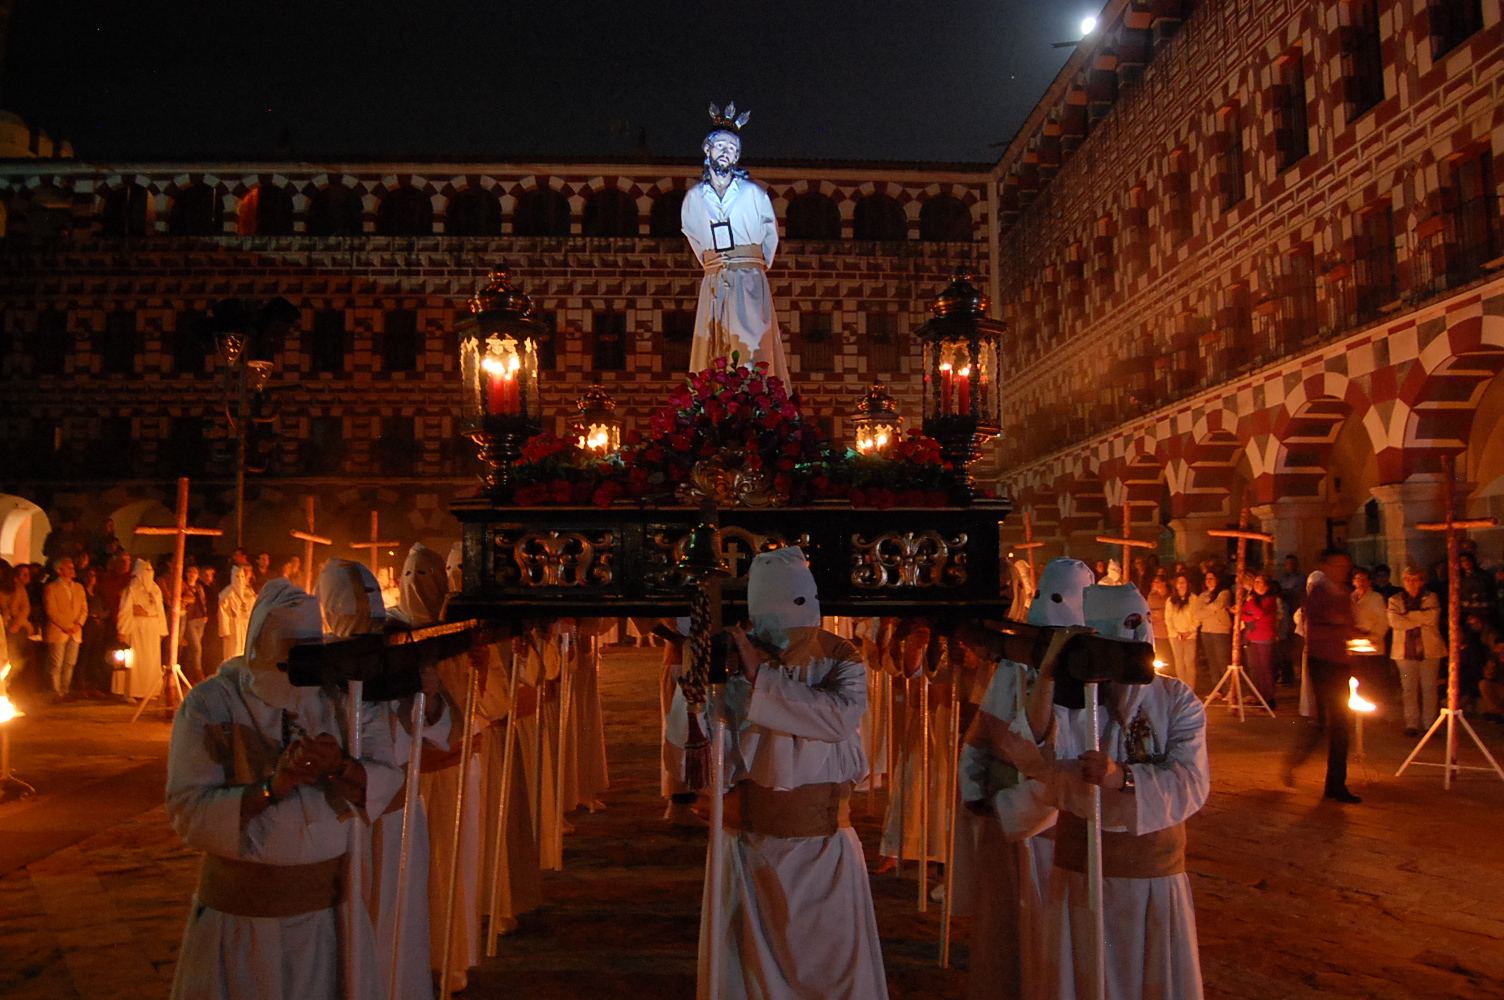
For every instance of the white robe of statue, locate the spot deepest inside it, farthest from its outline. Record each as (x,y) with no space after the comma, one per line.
(228,734)
(235,603)
(735,311)
(796,917)
(141,621)
(1009,872)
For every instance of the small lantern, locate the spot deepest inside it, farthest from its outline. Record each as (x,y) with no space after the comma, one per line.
(876,422)
(962,408)
(596,429)
(499,365)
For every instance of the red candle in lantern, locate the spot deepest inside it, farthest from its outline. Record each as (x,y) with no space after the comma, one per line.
(496,393)
(963,392)
(946,388)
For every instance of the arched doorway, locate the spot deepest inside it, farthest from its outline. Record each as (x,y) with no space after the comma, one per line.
(23,529)
(150,513)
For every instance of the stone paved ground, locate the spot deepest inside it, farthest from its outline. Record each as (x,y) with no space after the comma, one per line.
(1397,898)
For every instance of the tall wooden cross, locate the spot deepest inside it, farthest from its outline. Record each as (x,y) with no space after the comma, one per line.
(1029,545)
(309,540)
(1128,542)
(1452,714)
(172,672)
(375,545)
(1235,677)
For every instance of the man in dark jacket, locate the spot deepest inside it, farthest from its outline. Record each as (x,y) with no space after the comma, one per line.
(1330,626)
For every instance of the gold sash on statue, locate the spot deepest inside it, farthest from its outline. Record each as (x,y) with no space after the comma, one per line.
(807,811)
(740,257)
(252,889)
(1150,855)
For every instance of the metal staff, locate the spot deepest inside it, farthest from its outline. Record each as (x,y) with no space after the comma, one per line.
(923,788)
(497,858)
(451,895)
(569,645)
(410,805)
(955,798)
(1094,862)
(355,908)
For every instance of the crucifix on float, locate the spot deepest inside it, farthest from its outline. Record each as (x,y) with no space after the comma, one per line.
(1128,542)
(375,545)
(309,540)
(172,673)
(1235,677)
(1452,714)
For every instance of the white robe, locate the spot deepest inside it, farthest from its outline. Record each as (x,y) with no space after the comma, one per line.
(521,886)
(144,633)
(1008,872)
(223,738)
(385,860)
(907,791)
(796,915)
(585,776)
(440,793)
(1151,923)
(235,603)
(735,311)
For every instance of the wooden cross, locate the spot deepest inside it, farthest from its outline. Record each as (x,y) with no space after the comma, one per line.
(171,672)
(1235,676)
(1029,544)
(309,540)
(1128,542)
(375,545)
(1452,714)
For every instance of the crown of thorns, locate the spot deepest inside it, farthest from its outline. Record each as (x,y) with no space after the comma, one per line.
(729,119)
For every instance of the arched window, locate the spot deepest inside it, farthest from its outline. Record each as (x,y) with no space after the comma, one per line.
(473,212)
(878,217)
(944,219)
(610,212)
(405,212)
(266,211)
(541,212)
(335,211)
(812,216)
(196,211)
(665,220)
(125,212)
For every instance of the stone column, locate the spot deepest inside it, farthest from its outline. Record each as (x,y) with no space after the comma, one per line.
(1191,540)
(1401,505)
(1298,525)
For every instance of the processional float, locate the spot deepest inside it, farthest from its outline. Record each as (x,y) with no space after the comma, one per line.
(668,525)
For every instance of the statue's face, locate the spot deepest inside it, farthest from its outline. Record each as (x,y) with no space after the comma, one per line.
(723,150)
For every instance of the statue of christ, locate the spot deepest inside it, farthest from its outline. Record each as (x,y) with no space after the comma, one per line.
(730,225)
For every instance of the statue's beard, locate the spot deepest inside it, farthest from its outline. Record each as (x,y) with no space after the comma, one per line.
(722,168)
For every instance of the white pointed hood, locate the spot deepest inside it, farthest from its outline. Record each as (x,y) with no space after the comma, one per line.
(284,616)
(423,587)
(1119,611)
(1058,599)
(781,594)
(351,598)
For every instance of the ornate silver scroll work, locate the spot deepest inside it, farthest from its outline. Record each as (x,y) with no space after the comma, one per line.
(908,559)
(561,558)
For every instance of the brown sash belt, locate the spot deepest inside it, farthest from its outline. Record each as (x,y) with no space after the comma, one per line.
(252,889)
(807,811)
(1151,855)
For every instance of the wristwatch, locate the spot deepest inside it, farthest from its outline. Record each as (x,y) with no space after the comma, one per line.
(268,794)
(1128,785)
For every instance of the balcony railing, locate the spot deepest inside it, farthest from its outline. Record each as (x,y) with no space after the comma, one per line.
(1358,290)
(1453,248)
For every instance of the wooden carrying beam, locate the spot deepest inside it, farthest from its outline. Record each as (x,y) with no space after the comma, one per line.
(1088,657)
(387,663)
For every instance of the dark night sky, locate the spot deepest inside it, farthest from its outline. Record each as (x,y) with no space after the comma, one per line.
(936,80)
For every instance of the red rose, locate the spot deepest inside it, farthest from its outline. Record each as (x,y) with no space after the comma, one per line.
(721,363)
(634,436)
(786,464)
(910,498)
(791,448)
(608,492)
(683,442)
(935,498)
(558,491)
(653,454)
(821,484)
(579,492)
(783,482)
(772,419)
(754,461)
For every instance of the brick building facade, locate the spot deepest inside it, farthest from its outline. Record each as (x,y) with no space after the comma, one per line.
(107,268)
(1251,255)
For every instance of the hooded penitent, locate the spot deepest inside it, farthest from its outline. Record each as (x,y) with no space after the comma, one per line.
(1058,599)
(285,615)
(781,594)
(455,567)
(1117,611)
(351,598)
(423,587)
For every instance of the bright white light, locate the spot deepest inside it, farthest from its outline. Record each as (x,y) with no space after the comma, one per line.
(1088,25)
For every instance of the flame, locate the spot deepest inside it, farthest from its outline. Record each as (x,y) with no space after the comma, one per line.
(1355,701)
(598,438)
(123,657)
(1361,647)
(945,367)
(965,372)
(1161,667)
(8,709)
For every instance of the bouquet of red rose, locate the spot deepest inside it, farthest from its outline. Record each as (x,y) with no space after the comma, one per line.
(909,472)
(555,470)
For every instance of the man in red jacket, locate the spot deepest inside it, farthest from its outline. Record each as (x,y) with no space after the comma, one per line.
(1329,627)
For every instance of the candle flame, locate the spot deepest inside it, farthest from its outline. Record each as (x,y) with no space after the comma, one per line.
(1361,647)
(1160,667)
(8,709)
(597,438)
(965,372)
(1355,701)
(491,365)
(945,367)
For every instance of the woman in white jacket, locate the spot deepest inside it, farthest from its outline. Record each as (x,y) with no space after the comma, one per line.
(1184,622)
(1417,648)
